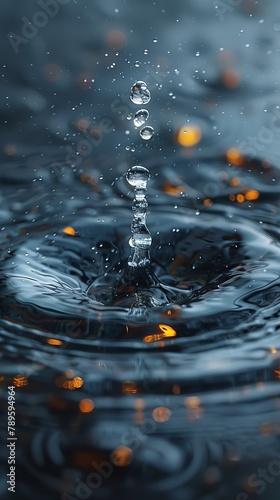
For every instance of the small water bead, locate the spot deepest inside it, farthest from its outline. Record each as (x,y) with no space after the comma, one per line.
(146,52)
(140,117)
(146,133)
(139,93)
(137,64)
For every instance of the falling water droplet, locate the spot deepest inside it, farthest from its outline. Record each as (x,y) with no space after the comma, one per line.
(140,93)
(138,177)
(141,239)
(140,117)
(146,133)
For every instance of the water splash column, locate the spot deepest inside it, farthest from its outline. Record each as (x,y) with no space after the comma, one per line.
(141,239)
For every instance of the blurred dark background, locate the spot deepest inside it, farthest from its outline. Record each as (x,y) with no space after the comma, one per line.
(66,129)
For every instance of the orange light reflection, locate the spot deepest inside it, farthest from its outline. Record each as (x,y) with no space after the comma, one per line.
(167,331)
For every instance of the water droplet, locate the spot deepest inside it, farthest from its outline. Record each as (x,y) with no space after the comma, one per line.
(137,64)
(155,40)
(146,133)
(138,177)
(139,93)
(140,117)
(146,52)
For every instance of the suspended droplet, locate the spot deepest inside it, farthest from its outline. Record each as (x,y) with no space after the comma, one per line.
(155,40)
(140,117)
(146,133)
(146,52)
(137,64)
(139,93)
(138,177)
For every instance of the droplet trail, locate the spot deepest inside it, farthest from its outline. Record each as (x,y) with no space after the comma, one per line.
(141,239)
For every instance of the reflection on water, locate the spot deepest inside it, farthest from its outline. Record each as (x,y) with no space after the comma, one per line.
(115,398)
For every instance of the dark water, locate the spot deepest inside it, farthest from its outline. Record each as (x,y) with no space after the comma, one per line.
(181,400)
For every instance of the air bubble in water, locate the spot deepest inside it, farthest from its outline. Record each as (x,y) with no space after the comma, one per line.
(140,117)
(146,133)
(139,93)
